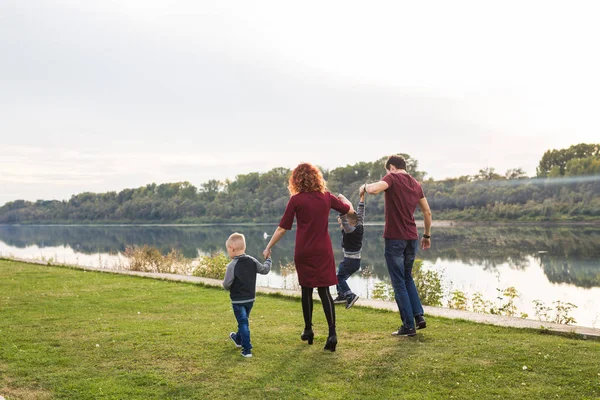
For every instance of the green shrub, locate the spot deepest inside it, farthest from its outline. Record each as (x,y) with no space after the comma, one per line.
(479,304)
(561,312)
(509,308)
(383,291)
(429,284)
(212,266)
(458,300)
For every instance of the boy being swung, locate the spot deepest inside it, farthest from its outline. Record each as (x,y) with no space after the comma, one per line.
(240,280)
(352,236)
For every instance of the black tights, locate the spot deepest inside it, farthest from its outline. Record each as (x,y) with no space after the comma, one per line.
(328,307)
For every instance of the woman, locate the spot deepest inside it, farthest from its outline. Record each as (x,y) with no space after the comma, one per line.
(310,203)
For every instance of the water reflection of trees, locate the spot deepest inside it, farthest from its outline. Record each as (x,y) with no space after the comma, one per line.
(582,273)
(114,239)
(570,254)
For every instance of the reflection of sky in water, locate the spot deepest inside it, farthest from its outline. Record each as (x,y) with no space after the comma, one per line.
(469,272)
(531,284)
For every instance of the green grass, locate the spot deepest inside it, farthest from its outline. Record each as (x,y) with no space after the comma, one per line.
(67,333)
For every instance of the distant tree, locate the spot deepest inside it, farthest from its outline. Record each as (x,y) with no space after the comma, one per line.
(248,183)
(263,196)
(487,174)
(187,191)
(554,162)
(211,188)
(515,173)
(583,166)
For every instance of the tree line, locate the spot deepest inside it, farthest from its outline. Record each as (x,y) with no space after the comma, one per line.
(566,187)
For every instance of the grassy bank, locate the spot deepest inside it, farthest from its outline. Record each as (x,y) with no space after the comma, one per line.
(82,335)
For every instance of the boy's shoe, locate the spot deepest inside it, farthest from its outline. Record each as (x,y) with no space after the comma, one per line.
(339,299)
(420,322)
(246,353)
(233,337)
(402,331)
(350,300)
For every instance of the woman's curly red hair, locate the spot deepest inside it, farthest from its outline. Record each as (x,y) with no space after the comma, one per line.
(306,178)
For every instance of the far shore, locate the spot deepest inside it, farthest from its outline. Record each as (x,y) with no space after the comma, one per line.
(420,223)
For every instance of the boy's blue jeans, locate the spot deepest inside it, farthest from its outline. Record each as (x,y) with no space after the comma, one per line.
(347,267)
(242,312)
(400,257)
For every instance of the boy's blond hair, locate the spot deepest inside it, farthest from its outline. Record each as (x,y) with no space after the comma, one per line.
(237,241)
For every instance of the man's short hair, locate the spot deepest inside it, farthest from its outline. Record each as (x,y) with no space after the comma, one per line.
(237,241)
(396,161)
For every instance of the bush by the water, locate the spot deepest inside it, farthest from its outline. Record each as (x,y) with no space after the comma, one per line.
(212,266)
(428,283)
(431,293)
(150,259)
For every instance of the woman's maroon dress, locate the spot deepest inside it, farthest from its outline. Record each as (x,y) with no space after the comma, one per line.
(313,253)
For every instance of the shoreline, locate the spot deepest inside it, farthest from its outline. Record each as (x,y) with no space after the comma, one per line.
(489,319)
(420,223)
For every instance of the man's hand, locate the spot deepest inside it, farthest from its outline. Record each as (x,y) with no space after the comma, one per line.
(362,190)
(425,243)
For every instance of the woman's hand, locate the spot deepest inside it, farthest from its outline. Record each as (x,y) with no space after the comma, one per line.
(278,234)
(266,253)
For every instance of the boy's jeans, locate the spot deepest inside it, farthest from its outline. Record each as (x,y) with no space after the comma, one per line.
(242,312)
(347,267)
(400,257)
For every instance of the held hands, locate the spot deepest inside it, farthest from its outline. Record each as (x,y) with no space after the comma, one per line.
(362,190)
(266,253)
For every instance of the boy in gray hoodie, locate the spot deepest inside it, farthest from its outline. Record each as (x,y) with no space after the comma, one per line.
(240,280)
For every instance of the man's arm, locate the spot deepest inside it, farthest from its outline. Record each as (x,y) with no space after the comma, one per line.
(424,206)
(374,188)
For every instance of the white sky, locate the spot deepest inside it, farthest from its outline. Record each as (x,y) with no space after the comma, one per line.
(104,95)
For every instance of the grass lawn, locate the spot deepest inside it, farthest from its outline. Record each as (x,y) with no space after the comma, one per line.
(70,334)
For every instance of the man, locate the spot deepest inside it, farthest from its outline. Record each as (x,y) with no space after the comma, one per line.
(402,195)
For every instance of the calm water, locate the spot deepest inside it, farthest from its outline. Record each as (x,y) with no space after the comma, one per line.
(546,263)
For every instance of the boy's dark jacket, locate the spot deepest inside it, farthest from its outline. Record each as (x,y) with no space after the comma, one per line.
(240,277)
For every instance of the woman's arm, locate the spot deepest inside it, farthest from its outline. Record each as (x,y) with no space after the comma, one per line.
(277,235)
(341,205)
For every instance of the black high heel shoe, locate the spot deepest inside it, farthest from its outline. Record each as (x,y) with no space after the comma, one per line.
(309,335)
(331,343)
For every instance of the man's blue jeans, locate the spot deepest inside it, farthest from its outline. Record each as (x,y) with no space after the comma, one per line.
(347,267)
(400,257)
(242,312)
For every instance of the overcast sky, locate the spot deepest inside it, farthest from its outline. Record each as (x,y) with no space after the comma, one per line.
(105,95)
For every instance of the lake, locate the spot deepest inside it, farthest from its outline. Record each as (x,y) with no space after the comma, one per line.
(543,262)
